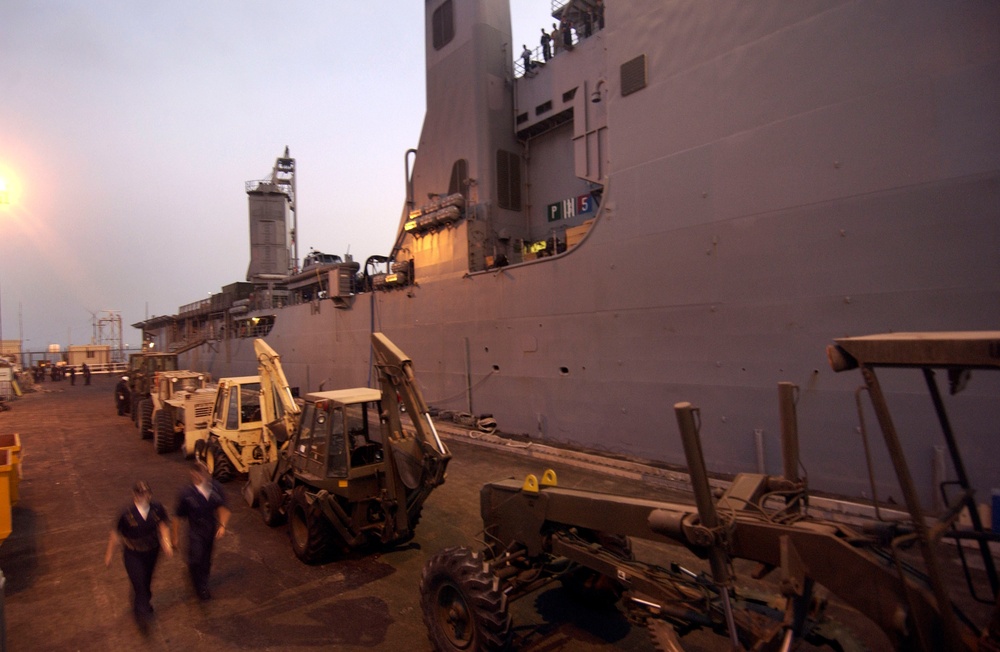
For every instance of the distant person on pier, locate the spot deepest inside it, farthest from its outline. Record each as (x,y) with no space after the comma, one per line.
(141,530)
(123,398)
(72,375)
(546,45)
(86,374)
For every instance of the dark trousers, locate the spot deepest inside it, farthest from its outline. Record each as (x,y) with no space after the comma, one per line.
(200,561)
(140,566)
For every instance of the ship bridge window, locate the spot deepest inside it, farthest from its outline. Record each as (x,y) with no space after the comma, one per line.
(443,24)
(508,180)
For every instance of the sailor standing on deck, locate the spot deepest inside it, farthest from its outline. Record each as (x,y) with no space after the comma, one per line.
(546,45)
(567,34)
(203,504)
(141,530)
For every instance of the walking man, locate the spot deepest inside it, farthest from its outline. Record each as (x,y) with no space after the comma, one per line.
(123,400)
(141,530)
(203,504)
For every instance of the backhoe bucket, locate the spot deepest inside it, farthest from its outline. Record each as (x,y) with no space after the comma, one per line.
(258,475)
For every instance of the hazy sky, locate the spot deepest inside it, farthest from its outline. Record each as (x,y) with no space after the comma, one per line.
(128,129)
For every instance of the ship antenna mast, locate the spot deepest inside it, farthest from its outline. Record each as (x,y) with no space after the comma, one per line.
(283,176)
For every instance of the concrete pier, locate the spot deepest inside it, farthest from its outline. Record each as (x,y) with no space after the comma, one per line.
(80,461)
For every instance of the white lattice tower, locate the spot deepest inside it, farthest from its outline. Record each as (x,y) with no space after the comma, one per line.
(109,331)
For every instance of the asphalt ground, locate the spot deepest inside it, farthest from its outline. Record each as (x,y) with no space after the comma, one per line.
(79,462)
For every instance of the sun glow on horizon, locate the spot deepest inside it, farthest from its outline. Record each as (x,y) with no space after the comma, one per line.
(9,188)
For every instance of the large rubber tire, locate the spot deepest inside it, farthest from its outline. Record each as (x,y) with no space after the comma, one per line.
(164,438)
(145,422)
(269,501)
(218,462)
(463,609)
(307,529)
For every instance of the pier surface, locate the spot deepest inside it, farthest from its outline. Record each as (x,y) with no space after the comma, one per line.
(80,461)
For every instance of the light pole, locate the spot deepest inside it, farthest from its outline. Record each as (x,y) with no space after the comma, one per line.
(4,199)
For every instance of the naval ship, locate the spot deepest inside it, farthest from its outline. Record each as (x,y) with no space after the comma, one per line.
(688,204)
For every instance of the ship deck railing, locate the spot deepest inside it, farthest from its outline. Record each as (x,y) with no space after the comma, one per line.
(561,9)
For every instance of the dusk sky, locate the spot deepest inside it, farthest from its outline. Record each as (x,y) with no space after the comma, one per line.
(128,130)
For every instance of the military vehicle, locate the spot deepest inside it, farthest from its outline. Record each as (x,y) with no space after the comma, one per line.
(892,569)
(182,405)
(236,436)
(347,473)
(142,369)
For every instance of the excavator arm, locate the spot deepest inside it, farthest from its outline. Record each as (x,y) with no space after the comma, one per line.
(417,462)
(279,410)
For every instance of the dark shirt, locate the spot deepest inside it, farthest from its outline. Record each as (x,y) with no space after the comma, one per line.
(201,512)
(138,533)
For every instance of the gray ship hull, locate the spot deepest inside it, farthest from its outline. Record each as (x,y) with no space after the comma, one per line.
(788,173)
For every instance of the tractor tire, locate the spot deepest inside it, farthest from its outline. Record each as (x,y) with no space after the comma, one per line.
(164,439)
(269,501)
(463,607)
(145,418)
(307,529)
(218,462)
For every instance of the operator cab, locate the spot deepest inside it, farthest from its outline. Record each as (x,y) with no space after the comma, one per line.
(237,404)
(335,433)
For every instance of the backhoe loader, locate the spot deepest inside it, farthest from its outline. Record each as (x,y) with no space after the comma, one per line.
(347,474)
